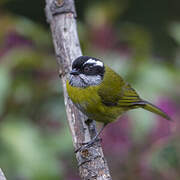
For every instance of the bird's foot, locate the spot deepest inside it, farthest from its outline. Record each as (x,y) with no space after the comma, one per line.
(93,140)
(88,144)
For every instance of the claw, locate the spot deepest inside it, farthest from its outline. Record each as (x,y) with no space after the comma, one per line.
(88,144)
(91,142)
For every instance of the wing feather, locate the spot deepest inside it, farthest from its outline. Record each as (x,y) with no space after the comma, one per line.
(129,97)
(115,92)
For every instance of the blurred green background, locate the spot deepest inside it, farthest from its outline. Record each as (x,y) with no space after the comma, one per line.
(139,39)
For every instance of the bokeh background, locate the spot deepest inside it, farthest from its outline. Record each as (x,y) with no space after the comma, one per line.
(139,39)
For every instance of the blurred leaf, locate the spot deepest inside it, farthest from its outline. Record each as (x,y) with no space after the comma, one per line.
(142,123)
(174,29)
(153,79)
(164,158)
(33,158)
(34,31)
(5,85)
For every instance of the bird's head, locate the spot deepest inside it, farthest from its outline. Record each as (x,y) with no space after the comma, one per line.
(86,71)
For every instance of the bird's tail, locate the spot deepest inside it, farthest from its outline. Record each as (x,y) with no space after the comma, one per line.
(150,107)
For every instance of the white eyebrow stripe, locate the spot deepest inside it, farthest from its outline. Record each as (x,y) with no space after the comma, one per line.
(97,63)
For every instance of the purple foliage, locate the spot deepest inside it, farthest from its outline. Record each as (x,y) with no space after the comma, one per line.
(103,37)
(116,138)
(168,106)
(163,127)
(12,40)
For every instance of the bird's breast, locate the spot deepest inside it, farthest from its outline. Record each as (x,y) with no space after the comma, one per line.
(89,102)
(85,97)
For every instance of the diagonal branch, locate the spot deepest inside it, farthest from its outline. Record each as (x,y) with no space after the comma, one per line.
(61,17)
(2,177)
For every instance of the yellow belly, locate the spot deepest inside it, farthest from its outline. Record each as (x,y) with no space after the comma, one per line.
(88,101)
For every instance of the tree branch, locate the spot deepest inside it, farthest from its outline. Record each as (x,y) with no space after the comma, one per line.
(61,17)
(2,177)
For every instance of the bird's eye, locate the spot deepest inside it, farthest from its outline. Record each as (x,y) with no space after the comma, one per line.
(86,69)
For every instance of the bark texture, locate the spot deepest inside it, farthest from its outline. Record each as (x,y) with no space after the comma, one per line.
(61,17)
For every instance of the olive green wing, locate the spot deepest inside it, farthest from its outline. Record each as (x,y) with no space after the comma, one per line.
(114,91)
(129,98)
(122,97)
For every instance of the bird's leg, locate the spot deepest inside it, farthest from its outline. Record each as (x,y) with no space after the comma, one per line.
(92,127)
(88,121)
(93,140)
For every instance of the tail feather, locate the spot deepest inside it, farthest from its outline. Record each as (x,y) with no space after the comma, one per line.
(152,108)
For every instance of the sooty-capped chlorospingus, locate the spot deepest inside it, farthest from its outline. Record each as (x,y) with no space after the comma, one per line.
(101,94)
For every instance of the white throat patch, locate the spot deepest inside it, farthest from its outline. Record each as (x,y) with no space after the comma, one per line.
(84,81)
(92,61)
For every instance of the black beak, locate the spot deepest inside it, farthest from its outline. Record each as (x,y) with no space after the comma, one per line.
(74,72)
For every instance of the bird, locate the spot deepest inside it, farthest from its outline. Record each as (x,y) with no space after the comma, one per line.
(102,94)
